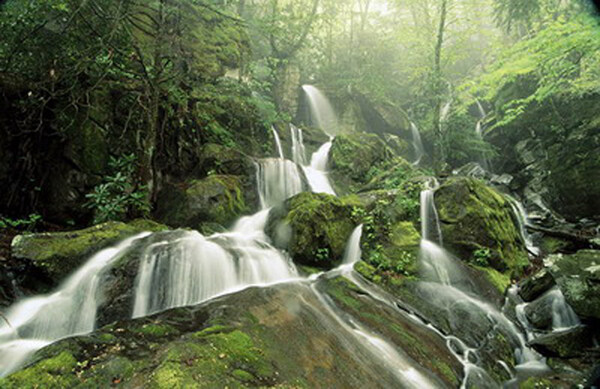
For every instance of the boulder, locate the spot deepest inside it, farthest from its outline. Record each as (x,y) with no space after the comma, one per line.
(217,199)
(56,255)
(539,312)
(573,343)
(534,286)
(578,277)
(478,225)
(218,159)
(313,227)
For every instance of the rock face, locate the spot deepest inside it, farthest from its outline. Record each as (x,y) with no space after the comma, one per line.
(269,337)
(217,199)
(57,254)
(536,285)
(578,277)
(313,227)
(573,343)
(478,226)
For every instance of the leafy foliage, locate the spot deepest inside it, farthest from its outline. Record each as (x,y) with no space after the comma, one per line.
(27,224)
(118,195)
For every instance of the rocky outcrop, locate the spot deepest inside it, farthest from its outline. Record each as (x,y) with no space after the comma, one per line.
(578,277)
(56,255)
(478,226)
(313,227)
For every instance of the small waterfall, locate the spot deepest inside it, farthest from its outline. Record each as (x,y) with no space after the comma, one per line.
(322,113)
(444,111)
(482,112)
(353,251)
(277,142)
(430,224)
(195,268)
(277,179)
(298,151)
(316,173)
(523,222)
(563,316)
(417,143)
(70,310)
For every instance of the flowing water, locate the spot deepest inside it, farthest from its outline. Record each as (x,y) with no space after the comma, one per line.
(277,143)
(298,150)
(417,143)
(277,180)
(322,113)
(38,321)
(523,222)
(316,172)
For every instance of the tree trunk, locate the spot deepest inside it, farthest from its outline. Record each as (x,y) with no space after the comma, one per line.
(439,149)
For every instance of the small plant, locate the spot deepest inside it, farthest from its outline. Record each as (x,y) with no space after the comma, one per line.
(27,224)
(118,195)
(482,256)
(322,254)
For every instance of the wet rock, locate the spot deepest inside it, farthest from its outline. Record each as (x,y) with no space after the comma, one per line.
(313,227)
(578,277)
(57,254)
(536,285)
(478,225)
(261,337)
(539,312)
(218,159)
(573,343)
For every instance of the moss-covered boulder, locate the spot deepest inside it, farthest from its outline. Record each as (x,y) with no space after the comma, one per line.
(217,199)
(313,227)
(261,337)
(578,277)
(58,254)
(576,342)
(478,225)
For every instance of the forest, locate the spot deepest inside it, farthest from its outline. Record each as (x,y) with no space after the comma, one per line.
(299,193)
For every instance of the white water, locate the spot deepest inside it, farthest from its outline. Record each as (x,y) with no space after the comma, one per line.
(277,142)
(417,143)
(70,310)
(563,316)
(323,115)
(195,268)
(316,173)
(277,179)
(523,222)
(298,150)
(444,111)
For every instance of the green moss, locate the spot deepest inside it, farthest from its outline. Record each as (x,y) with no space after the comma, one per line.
(499,280)
(535,383)
(215,329)
(242,375)
(319,226)
(156,330)
(50,373)
(59,253)
(475,216)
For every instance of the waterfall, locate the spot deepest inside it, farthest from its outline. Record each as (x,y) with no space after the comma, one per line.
(277,179)
(70,310)
(298,151)
(316,172)
(444,111)
(482,113)
(563,316)
(195,268)
(417,143)
(277,142)
(322,113)
(522,222)
(430,224)
(353,251)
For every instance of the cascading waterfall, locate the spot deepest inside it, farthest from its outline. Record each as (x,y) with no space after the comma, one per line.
(71,310)
(417,143)
(316,172)
(439,266)
(298,150)
(563,316)
(277,180)
(323,115)
(277,143)
(523,222)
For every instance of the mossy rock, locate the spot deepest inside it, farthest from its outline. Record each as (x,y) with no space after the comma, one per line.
(479,227)
(215,199)
(58,254)
(313,227)
(578,277)
(576,342)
